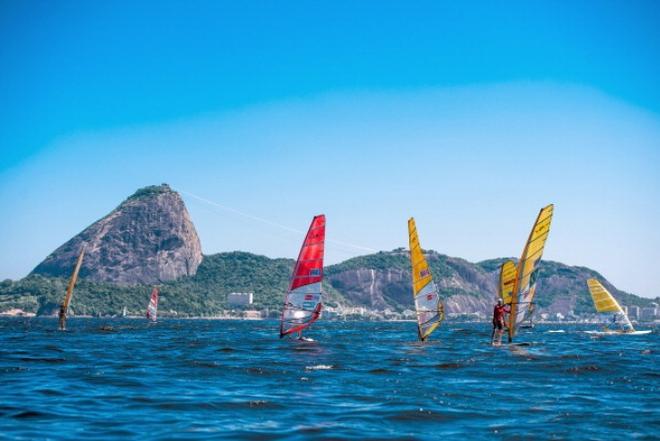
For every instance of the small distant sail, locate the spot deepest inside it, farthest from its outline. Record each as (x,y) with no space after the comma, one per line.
(525,286)
(152,309)
(606,303)
(508,273)
(302,303)
(72,281)
(430,311)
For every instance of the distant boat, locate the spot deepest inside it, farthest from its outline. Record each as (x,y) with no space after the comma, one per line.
(152,308)
(605,303)
(524,286)
(124,312)
(302,303)
(64,308)
(430,311)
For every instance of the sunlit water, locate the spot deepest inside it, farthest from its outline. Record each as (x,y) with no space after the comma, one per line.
(205,379)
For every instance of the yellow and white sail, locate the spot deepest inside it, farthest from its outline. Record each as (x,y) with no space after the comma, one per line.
(606,303)
(508,272)
(72,281)
(525,282)
(430,311)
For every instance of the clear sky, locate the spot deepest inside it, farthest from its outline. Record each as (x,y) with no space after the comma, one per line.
(470,116)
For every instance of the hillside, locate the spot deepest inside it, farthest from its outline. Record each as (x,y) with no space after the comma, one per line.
(382,280)
(377,281)
(148,238)
(203,294)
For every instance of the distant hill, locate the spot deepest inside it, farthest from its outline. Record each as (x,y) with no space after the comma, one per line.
(205,293)
(149,238)
(377,281)
(382,280)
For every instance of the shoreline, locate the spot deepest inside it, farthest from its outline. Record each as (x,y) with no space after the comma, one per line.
(220,318)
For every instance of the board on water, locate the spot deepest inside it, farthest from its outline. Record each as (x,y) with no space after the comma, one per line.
(647,331)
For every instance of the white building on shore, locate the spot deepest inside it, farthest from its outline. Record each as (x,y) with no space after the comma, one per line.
(240,298)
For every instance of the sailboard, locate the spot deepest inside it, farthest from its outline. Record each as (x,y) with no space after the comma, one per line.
(606,304)
(64,310)
(302,303)
(152,308)
(429,308)
(524,287)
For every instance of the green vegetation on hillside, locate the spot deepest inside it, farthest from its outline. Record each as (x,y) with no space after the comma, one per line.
(205,294)
(151,190)
(201,295)
(379,261)
(559,282)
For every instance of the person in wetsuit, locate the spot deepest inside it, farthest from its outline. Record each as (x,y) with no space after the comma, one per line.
(498,319)
(62,316)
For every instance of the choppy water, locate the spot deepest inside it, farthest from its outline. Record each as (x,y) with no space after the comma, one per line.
(200,379)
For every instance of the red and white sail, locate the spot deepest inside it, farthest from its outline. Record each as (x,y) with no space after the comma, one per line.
(302,304)
(152,309)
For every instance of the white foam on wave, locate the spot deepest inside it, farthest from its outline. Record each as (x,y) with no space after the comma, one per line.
(319,367)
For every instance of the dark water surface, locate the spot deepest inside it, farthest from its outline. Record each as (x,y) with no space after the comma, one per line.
(205,379)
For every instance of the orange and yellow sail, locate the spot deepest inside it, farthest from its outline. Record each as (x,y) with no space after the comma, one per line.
(524,286)
(430,311)
(72,280)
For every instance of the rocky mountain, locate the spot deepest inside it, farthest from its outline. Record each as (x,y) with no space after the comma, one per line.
(147,239)
(150,239)
(377,281)
(382,280)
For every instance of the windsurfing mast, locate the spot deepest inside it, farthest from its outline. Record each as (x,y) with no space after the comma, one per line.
(430,311)
(302,302)
(524,287)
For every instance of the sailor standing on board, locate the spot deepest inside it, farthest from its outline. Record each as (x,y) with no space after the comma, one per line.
(498,320)
(62,316)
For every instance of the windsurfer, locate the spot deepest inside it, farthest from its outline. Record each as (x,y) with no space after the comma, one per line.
(498,320)
(62,316)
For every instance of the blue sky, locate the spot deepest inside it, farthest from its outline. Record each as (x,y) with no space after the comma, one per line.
(470,117)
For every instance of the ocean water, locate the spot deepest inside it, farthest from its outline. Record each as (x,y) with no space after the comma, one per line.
(212,379)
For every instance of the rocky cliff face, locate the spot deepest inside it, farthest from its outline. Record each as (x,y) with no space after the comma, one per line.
(148,239)
(382,280)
